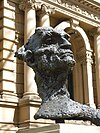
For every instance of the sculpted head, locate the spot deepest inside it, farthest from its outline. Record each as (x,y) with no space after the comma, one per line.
(47,50)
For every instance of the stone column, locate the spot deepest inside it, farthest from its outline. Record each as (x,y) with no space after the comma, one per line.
(30,88)
(88,82)
(30,101)
(86,65)
(30,25)
(84,75)
(44,15)
(96,33)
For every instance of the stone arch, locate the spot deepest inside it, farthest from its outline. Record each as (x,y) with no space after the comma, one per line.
(67,24)
(84,66)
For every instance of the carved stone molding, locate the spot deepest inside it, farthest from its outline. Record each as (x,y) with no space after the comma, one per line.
(32,4)
(87,3)
(47,9)
(90,4)
(83,8)
(70,5)
(89,57)
(37,5)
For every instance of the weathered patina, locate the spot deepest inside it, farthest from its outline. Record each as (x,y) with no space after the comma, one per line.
(48,52)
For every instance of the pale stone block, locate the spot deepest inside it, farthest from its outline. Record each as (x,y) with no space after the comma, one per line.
(10,45)
(9,4)
(5,54)
(6,114)
(9,13)
(9,23)
(9,34)
(8,75)
(8,65)
(62,128)
(8,86)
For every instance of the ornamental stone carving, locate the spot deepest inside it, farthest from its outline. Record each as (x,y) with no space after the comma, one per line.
(37,5)
(64,4)
(32,4)
(47,9)
(76,8)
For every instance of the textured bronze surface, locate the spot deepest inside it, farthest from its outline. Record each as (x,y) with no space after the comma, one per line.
(48,52)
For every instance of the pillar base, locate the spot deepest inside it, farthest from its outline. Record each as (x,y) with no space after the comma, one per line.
(63,128)
(28,106)
(31,95)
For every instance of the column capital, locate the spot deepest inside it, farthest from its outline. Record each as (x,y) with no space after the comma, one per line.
(31,4)
(46,9)
(89,57)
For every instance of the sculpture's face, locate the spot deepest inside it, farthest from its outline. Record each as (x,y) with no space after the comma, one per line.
(47,51)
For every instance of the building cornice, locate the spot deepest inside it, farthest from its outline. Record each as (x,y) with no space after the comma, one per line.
(90,4)
(86,10)
(76,9)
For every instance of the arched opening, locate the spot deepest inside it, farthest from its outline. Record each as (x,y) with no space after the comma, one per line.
(80,87)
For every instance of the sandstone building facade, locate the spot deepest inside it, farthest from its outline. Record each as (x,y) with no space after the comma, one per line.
(19,99)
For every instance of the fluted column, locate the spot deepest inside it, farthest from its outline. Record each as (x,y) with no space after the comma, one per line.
(96,33)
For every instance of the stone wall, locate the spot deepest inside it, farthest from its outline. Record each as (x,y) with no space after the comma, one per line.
(11,70)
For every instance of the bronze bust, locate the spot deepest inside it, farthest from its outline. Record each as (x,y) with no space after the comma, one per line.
(48,52)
